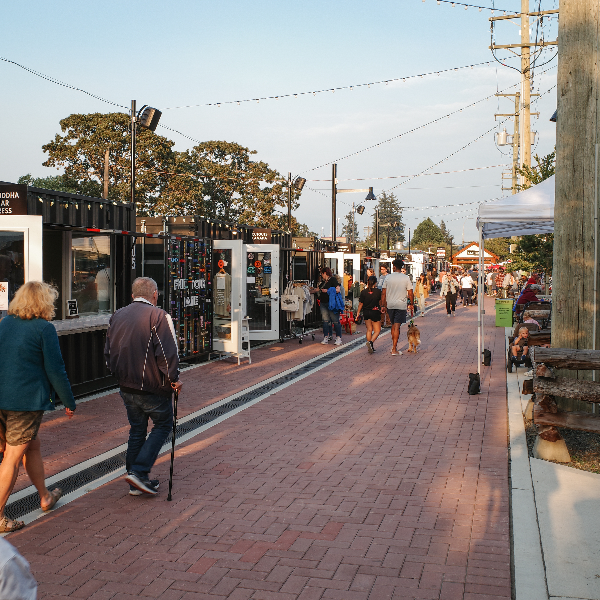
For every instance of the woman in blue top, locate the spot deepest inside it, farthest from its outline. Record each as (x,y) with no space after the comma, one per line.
(28,347)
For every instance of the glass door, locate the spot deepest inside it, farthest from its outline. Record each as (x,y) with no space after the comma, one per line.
(262,290)
(20,255)
(228,302)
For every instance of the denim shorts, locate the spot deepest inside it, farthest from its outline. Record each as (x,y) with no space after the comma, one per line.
(397,315)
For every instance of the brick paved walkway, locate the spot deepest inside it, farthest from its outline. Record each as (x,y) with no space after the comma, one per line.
(375,477)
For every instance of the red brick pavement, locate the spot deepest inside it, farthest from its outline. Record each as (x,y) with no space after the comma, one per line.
(375,477)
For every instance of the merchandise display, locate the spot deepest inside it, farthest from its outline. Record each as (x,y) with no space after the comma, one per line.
(190,293)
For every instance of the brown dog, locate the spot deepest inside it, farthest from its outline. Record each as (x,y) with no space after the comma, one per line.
(414,338)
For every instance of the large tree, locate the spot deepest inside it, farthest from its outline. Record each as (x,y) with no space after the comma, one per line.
(350,228)
(80,152)
(390,221)
(215,179)
(220,179)
(427,233)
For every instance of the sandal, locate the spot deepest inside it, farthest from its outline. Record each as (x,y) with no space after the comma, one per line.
(9,525)
(56,495)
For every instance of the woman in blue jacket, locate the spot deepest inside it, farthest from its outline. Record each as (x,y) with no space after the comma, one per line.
(28,347)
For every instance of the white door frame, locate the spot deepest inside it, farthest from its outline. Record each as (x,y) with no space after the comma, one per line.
(32,227)
(238,299)
(273,333)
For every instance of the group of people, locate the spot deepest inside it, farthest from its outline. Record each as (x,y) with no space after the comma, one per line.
(141,351)
(455,282)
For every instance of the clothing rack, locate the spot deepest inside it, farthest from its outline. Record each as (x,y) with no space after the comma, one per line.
(297,328)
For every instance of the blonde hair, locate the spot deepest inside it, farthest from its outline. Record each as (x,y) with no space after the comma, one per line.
(34,300)
(522,329)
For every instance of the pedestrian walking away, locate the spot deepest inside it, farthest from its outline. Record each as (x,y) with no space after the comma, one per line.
(330,318)
(29,346)
(449,291)
(422,292)
(141,352)
(466,284)
(369,302)
(396,296)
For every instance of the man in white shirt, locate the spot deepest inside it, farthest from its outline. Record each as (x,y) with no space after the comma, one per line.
(396,294)
(466,283)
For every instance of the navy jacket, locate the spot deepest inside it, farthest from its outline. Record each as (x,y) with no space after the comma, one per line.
(31,366)
(140,349)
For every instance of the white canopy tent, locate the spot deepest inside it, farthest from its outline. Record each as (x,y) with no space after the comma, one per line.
(529,212)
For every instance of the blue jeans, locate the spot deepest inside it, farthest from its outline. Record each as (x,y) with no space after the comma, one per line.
(330,318)
(142,452)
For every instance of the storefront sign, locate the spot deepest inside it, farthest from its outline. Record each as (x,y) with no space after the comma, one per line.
(13,199)
(261,236)
(441,252)
(191,301)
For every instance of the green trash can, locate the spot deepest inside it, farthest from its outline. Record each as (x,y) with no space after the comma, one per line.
(504,312)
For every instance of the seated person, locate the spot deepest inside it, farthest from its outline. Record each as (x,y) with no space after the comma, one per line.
(527,318)
(519,344)
(528,295)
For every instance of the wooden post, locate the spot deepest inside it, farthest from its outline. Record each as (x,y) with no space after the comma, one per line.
(577,132)
(106,157)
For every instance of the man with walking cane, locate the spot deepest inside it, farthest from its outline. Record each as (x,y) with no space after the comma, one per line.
(141,352)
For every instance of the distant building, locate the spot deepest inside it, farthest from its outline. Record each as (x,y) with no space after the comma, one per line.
(468,256)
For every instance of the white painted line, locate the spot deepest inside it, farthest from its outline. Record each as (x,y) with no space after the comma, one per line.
(529,569)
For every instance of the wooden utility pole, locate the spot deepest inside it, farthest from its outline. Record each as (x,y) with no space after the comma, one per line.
(523,110)
(575,267)
(106,157)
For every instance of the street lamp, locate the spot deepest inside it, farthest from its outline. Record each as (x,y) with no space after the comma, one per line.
(148,118)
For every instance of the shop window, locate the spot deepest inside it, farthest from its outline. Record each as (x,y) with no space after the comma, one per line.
(91,283)
(12,266)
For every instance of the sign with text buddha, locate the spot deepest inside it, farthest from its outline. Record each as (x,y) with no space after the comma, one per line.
(13,199)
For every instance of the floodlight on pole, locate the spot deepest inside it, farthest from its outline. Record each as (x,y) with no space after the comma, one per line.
(360,209)
(148,118)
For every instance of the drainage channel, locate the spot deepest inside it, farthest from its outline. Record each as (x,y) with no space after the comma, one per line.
(80,481)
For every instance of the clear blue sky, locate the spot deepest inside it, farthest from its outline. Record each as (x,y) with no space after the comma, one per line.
(197,52)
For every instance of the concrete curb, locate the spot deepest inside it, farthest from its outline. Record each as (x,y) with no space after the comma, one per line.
(529,569)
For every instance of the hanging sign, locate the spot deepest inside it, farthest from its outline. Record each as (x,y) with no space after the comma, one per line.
(72,309)
(441,252)
(13,199)
(261,236)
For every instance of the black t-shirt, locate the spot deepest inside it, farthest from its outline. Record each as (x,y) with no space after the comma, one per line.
(370,298)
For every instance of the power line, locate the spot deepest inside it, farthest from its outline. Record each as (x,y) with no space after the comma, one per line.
(332,89)
(512,12)
(61,83)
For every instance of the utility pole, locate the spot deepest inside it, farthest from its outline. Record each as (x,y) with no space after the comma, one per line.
(289,201)
(376,229)
(575,267)
(333,202)
(524,106)
(106,157)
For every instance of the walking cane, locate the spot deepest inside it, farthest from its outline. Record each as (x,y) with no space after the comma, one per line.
(173,442)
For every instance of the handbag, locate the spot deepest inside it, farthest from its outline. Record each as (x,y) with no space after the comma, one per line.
(336,302)
(290,302)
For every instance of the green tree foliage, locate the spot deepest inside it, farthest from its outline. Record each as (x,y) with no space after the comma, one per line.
(350,228)
(80,152)
(57,183)
(535,252)
(390,220)
(445,232)
(215,179)
(499,246)
(302,230)
(427,233)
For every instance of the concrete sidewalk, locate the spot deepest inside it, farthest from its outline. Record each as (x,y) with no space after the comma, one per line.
(555,518)
(374,477)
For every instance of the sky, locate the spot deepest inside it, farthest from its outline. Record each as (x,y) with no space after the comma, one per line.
(198,53)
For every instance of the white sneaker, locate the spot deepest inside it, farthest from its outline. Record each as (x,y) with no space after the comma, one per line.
(338,341)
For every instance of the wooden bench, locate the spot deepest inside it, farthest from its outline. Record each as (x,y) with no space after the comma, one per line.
(546,385)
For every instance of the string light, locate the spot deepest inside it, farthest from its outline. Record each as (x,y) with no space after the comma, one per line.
(453,4)
(61,83)
(332,90)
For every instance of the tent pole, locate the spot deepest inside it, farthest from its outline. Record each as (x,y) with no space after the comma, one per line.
(480,300)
